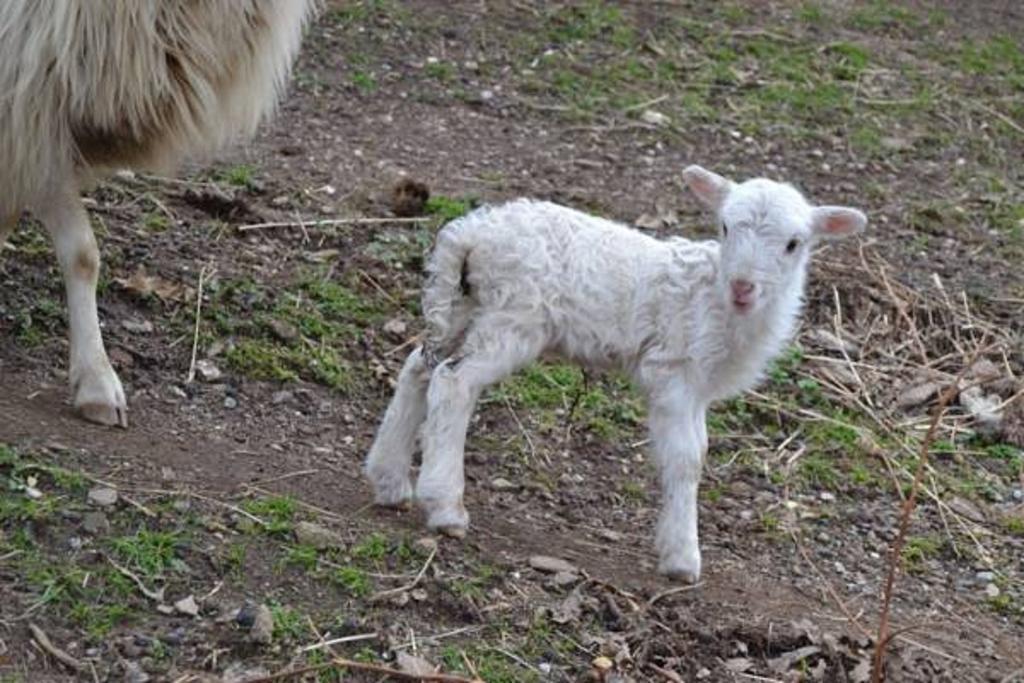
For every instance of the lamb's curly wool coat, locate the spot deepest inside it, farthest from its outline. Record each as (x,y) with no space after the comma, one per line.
(89,86)
(691,322)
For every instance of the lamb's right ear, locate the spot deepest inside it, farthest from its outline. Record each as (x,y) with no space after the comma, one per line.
(710,188)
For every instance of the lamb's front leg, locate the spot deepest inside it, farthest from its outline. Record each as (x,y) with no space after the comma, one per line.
(97,391)
(679,440)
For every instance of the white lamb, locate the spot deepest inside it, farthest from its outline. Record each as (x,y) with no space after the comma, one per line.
(89,86)
(691,322)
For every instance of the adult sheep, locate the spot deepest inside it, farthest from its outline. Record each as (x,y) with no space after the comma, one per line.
(91,86)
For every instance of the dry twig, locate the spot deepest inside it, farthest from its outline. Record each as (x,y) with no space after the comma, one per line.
(896,552)
(342,663)
(60,655)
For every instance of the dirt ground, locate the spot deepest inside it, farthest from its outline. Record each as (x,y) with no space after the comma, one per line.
(242,490)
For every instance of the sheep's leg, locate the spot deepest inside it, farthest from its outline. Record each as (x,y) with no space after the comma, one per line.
(390,458)
(97,391)
(490,353)
(679,440)
(7,225)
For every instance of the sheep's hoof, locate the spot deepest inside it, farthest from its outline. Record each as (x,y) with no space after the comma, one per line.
(99,397)
(682,576)
(452,520)
(100,413)
(393,493)
(682,567)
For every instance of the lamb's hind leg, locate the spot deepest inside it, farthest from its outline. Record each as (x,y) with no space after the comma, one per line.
(97,391)
(491,352)
(387,465)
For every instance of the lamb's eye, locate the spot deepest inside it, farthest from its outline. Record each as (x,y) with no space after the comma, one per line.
(792,245)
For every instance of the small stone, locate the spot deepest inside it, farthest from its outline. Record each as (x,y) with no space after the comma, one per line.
(827,496)
(610,535)
(95,523)
(102,496)
(208,371)
(501,484)
(966,508)
(175,637)
(746,515)
(284,331)
(262,630)
(655,118)
(187,606)
(320,537)
(992,591)
(230,402)
(603,663)
(240,672)
(418,594)
(985,577)
(563,579)
(552,565)
(396,328)
(426,545)
(414,666)
(137,326)
(279,397)
(133,673)
(702,674)
(245,617)
(1017,495)
(165,609)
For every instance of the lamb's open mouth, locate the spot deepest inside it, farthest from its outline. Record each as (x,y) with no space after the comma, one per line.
(742,304)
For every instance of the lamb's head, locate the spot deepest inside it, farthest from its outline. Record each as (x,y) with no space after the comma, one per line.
(767,231)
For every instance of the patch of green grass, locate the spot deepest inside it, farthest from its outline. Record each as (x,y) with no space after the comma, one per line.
(811,13)
(353,580)
(278,512)
(1000,56)
(296,332)
(150,553)
(302,556)
(918,549)
(373,548)
(154,221)
(607,407)
(590,21)
(441,71)
(241,175)
(1001,604)
(633,491)
(490,665)
(34,326)
(289,624)
(817,470)
(447,209)
(1014,525)
(883,15)
(364,81)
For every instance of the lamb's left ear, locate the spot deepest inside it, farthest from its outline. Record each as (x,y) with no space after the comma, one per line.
(833,222)
(710,188)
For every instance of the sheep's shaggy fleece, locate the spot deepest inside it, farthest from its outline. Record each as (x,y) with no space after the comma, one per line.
(88,85)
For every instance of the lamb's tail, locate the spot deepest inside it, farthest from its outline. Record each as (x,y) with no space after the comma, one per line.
(446,307)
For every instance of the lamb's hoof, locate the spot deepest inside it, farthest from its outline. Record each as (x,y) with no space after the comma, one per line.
(451,520)
(681,567)
(392,492)
(99,397)
(111,416)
